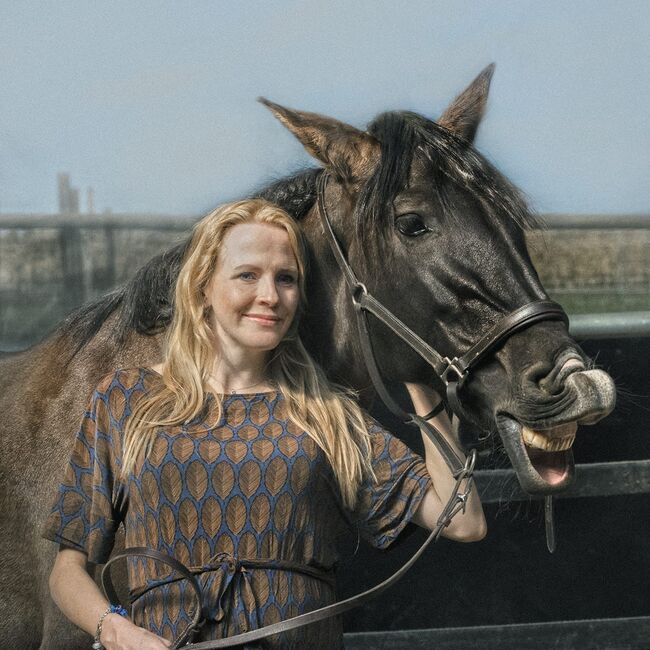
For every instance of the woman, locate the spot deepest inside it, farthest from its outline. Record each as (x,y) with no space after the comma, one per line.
(236,456)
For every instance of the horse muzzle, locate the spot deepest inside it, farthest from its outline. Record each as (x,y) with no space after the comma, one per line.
(541,450)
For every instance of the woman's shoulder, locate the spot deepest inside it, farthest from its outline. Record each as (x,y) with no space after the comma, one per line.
(372,424)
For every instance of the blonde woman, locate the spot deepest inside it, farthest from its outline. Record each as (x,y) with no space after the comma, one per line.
(236,456)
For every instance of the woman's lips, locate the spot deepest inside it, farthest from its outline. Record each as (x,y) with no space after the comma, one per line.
(263,320)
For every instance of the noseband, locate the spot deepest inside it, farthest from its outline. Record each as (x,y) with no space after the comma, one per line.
(453,372)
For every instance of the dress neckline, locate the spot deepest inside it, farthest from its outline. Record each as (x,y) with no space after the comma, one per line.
(212,394)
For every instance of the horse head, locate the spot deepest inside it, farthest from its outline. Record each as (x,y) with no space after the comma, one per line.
(437,235)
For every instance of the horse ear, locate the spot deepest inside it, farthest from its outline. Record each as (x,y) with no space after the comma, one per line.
(349,153)
(464,114)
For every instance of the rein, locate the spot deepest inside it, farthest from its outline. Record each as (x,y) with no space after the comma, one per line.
(453,373)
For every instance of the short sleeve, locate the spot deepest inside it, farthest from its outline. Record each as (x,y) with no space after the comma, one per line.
(84,516)
(386,506)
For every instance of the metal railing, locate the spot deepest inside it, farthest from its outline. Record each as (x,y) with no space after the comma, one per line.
(633,324)
(607,633)
(553,221)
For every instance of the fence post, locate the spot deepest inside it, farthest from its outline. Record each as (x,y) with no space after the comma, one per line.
(71,261)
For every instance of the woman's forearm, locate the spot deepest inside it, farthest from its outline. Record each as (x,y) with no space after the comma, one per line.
(75,592)
(467,526)
(79,598)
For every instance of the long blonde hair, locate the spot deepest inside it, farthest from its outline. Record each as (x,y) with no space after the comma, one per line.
(328,413)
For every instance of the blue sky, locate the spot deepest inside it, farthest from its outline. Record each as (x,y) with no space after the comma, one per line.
(153,103)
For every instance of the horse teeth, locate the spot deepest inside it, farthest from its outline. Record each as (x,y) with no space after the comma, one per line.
(555,442)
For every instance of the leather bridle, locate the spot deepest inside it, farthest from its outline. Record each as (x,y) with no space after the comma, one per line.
(454,373)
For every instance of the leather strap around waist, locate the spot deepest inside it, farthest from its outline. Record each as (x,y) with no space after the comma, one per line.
(231,565)
(220,561)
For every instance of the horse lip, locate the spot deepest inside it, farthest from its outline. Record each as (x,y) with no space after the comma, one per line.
(588,396)
(510,430)
(542,425)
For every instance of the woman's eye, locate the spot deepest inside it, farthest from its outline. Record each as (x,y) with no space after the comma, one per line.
(287,279)
(411,225)
(247,275)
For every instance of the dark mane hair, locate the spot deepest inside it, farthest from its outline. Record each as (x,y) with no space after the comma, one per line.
(403,135)
(146,299)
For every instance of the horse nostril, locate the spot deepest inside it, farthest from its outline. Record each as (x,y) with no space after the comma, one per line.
(549,384)
(553,382)
(536,377)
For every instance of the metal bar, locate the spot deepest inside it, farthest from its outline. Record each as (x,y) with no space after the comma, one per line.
(610,326)
(71,259)
(182,222)
(592,480)
(125,221)
(609,633)
(617,325)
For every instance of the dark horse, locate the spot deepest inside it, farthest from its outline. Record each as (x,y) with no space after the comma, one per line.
(436,234)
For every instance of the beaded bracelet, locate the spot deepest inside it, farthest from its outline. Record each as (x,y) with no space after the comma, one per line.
(113,609)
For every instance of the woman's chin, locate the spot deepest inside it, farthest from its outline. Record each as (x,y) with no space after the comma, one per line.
(262,343)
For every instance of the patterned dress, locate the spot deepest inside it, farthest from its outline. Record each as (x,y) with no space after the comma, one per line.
(248,502)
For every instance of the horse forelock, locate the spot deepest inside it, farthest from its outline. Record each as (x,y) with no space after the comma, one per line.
(403,136)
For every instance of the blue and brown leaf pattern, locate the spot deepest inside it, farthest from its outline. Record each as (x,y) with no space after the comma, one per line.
(221,495)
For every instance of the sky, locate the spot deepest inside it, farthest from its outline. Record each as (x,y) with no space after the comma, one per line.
(153,104)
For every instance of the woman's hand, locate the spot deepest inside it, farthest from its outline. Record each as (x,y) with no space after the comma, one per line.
(119,633)
(468,526)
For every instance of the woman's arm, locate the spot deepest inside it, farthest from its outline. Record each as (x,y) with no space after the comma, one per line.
(79,598)
(464,527)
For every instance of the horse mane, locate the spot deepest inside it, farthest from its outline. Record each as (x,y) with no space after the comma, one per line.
(146,300)
(403,135)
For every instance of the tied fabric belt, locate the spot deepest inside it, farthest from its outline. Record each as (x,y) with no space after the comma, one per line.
(227,567)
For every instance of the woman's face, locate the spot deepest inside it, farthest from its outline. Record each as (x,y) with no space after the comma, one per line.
(254,291)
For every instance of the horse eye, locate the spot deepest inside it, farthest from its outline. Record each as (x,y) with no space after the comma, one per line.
(411,225)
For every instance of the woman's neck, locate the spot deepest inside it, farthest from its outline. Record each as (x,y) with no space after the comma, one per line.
(233,375)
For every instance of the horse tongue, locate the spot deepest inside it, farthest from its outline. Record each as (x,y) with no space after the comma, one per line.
(552,466)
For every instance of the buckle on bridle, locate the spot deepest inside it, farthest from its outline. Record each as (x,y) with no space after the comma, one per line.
(456,367)
(358,291)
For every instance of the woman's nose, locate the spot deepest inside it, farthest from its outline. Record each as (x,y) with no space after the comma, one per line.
(268,292)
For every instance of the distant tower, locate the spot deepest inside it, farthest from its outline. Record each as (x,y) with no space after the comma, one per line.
(64,193)
(68,196)
(90,201)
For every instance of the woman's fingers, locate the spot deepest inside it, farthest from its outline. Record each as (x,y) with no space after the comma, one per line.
(125,635)
(151,641)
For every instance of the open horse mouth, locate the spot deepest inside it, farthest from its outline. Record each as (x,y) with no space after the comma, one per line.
(547,451)
(543,458)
